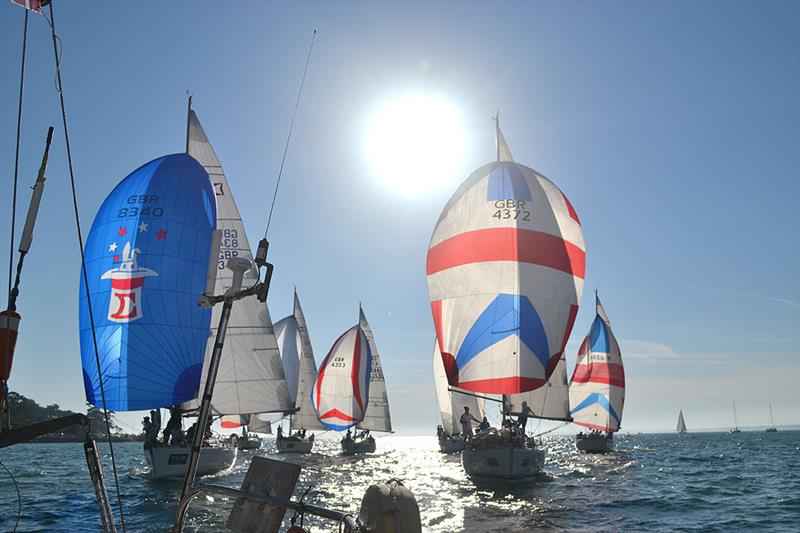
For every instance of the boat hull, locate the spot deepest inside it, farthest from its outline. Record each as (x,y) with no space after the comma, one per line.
(171,461)
(248,443)
(451,444)
(503,463)
(294,445)
(595,444)
(351,447)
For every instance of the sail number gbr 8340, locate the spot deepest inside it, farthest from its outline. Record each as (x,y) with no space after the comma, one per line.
(511,209)
(229,247)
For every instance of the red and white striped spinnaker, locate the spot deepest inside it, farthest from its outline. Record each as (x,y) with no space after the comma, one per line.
(597,389)
(341,391)
(505,274)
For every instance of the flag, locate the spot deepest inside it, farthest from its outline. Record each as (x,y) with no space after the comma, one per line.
(32,5)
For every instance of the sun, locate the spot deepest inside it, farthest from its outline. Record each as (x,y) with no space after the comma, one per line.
(415,143)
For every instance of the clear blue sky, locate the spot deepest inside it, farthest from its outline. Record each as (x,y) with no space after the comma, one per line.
(672,127)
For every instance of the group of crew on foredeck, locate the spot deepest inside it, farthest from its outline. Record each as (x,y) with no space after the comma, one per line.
(173,434)
(468,421)
(363,434)
(299,434)
(591,434)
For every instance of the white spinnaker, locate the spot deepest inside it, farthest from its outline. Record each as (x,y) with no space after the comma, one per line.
(451,404)
(305,417)
(250,377)
(288,336)
(550,401)
(377,417)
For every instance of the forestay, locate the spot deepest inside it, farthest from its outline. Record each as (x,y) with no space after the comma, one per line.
(341,391)
(250,378)
(305,417)
(377,417)
(597,389)
(451,403)
(550,401)
(146,263)
(505,272)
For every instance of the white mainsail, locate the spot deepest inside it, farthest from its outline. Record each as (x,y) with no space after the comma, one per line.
(377,416)
(250,377)
(305,417)
(550,402)
(451,404)
(681,423)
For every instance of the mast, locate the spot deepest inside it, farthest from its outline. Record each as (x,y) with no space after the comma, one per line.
(771,420)
(188,115)
(735,419)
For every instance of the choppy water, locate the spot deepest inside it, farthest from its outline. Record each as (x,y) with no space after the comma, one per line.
(708,482)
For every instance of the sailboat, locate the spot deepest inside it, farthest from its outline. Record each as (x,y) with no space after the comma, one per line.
(377,416)
(681,424)
(248,440)
(301,371)
(505,272)
(771,428)
(250,379)
(735,420)
(340,393)
(451,405)
(597,389)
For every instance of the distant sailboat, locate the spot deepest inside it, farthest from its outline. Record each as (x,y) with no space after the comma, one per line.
(735,420)
(505,271)
(301,371)
(681,424)
(451,406)
(597,389)
(771,428)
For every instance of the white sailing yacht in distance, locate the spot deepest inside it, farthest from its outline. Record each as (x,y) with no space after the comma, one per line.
(735,420)
(681,424)
(771,428)
(377,417)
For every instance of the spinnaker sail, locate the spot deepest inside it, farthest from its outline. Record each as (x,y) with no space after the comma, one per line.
(146,262)
(377,417)
(505,272)
(250,378)
(452,403)
(597,389)
(341,391)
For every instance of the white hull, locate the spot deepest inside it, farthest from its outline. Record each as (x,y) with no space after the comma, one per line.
(249,443)
(294,445)
(503,463)
(451,444)
(595,444)
(170,461)
(351,447)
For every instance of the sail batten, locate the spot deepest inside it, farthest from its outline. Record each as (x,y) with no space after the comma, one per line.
(597,389)
(377,417)
(250,377)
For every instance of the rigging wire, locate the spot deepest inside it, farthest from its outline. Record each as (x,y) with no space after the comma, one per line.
(16,156)
(289,136)
(59,88)
(19,496)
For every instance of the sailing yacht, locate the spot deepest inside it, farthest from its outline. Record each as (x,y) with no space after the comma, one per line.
(681,424)
(301,371)
(597,389)
(771,428)
(505,272)
(248,439)
(735,420)
(451,405)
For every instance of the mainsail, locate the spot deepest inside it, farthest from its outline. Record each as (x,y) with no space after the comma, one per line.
(505,274)
(681,423)
(146,262)
(597,389)
(250,378)
(288,337)
(451,404)
(550,402)
(377,417)
(341,391)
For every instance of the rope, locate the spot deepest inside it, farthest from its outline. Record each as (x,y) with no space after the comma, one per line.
(16,156)
(289,137)
(551,430)
(59,88)
(16,487)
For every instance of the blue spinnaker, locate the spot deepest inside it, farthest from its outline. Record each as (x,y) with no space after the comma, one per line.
(147,260)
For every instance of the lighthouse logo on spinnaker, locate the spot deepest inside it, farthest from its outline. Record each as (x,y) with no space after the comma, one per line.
(127,279)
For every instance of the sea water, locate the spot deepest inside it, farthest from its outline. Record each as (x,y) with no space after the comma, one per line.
(696,482)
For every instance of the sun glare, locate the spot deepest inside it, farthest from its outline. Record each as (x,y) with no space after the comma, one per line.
(415,143)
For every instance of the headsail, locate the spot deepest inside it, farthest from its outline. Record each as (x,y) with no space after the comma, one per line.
(451,404)
(305,417)
(341,391)
(505,274)
(550,401)
(146,258)
(597,390)
(681,423)
(288,337)
(250,378)
(259,426)
(377,417)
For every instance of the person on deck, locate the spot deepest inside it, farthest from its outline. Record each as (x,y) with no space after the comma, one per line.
(155,417)
(280,432)
(173,422)
(149,432)
(348,435)
(484,425)
(466,423)
(522,419)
